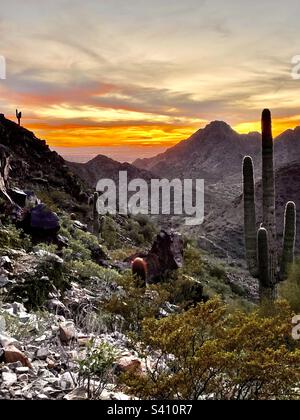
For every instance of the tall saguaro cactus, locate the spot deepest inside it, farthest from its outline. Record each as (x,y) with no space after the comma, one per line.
(261,249)
(250,215)
(268,182)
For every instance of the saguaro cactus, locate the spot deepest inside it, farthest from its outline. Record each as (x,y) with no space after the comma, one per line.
(268,181)
(263,261)
(250,215)
(19,116)
(289,237)
(96,224)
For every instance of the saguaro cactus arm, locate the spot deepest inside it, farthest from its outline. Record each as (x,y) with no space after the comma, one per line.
(289,238)
(267,288)
(250,215)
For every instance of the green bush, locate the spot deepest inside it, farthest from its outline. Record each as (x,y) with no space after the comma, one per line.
(11,237)
(290,289)
(96,369)
(87,269)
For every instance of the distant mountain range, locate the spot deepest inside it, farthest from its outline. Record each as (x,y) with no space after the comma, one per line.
(215,153)
(103,167)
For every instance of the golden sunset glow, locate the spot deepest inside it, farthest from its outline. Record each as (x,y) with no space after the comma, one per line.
(149,75)
(76,136)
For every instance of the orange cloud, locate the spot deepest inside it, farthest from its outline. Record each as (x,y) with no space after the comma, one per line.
(72,135)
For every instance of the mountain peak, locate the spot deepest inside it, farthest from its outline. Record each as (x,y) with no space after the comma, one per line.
(218,125)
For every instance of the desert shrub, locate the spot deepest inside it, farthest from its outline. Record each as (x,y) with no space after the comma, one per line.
(27,331)
(51,248)
(122,253)
(109,233)
(11,237)
(50,275)
(208,353)
(146,228)
(55,200)
(87,269)
(290,289)
(80,243)
(97,321)
(136,303)
(96,369)
(217,271)
(183,290)
(193,264)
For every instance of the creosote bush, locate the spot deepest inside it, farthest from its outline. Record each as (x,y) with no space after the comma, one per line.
(136,303)
(209,353)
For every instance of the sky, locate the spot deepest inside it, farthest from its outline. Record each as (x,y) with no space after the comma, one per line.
(132,78)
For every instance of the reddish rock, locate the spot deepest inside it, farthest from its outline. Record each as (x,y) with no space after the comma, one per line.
(129,363)
(12,355)
(165,255)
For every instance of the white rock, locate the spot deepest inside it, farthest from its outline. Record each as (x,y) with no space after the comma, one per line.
(4,281)
(9,378)
(42,353)
(42,397)
(6,341)
(22,369)
(66,381)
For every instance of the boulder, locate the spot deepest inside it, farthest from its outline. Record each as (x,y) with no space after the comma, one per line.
(80,226)
(57,307)
(42,353)
(9,378)
(98,255)
(67,333)
(66,381)
(4,281)
(41,223)
(6,341)
(165,255)
(13,355)
(128,364)
(18,196)
(6,263)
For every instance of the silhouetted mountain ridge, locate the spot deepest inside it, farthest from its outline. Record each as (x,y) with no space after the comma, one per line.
(102,167)
(32,162)
(216,153)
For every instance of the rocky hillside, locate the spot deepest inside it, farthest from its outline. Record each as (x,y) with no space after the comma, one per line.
(34,165)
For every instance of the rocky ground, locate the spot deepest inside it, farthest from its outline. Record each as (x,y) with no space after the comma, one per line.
(41,350)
